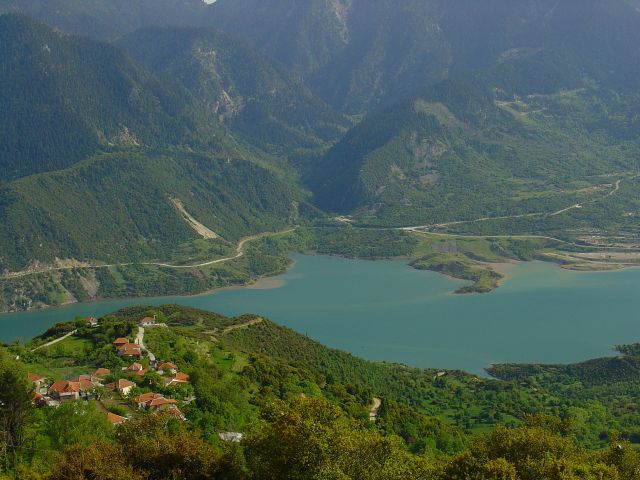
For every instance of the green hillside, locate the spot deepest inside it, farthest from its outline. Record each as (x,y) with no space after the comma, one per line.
(108,155)
(514,140)
(252,95)
(352,53)
(66,97)
(305,410)
(118,207)
(106,19)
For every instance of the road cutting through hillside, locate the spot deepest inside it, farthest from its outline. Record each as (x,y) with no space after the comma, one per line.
(239,253)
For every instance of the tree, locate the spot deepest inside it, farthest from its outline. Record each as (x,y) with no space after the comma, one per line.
(98,461)
(312,439)
(77,423)
(15,407)
(162,447)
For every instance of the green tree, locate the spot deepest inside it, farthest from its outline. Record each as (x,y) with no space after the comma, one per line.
(77,423)
(312,439)
(15,408)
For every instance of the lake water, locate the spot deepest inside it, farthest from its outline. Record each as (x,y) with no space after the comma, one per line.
(388,311)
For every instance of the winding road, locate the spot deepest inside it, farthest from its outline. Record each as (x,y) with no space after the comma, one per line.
(421,229)
(239,253)
(615,189)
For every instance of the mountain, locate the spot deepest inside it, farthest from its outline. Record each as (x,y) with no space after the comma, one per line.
(249,93)
(357,54)
(529,135)
(107,19)
(66,97)
(100,158)
(350,52)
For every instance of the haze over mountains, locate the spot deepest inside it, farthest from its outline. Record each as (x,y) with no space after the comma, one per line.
(397,112)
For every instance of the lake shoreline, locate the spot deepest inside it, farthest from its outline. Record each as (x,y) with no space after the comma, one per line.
(262,281)
(386,311)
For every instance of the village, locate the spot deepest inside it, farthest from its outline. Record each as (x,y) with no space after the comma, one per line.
(118,393)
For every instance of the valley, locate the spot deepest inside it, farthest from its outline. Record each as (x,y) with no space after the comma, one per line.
(319,239)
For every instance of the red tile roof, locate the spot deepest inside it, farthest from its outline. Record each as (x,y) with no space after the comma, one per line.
(34,378)
(115,419)
(167,365)
(146,397)
(130,349)
(101,372)
(122,383)
(177,379)
(88,378)
(86,384)
(120,341)
(181,377)
(65,386)
(176,413)
(158,402)
(135,367)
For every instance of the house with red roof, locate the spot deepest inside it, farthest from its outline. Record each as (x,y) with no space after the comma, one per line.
(115,419)
(129,350)
(101,372)
(39,382)
(178,379)
(167,367)
(155,402)
(176,413)
(120,341)
(148,322)
(39,400)
(135,367)
(143,401)
(65,390)
(162,403)
(95,381)
(123,386)
(91,321)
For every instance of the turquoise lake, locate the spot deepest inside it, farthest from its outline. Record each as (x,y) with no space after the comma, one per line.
(387,311)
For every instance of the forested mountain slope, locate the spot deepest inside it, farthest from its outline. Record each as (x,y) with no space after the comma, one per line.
(116,147)
(528,135)
(107,19)
(350,52)
(66,97)
(355,53)
(249,93)
(121,207)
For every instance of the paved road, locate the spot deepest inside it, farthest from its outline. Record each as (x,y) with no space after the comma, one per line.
(53,342)
(140,341)
(239,253)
